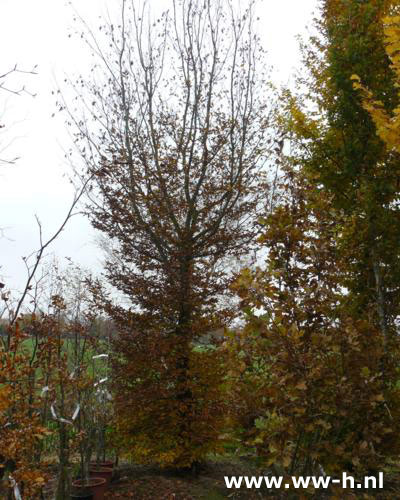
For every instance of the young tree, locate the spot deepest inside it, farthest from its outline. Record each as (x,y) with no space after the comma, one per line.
(176,137)
(21,430)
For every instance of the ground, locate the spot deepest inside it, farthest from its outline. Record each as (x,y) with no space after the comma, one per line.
(145,483)
(208,483)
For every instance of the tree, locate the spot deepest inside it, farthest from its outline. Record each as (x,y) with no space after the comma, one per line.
(341,150)
(21,430)
(320,344)
(387,122)
(306,373)
(176,137)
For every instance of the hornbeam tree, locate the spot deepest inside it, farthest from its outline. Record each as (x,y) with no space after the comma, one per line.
(176,134)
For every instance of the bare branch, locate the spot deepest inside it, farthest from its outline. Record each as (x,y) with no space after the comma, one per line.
(42,248)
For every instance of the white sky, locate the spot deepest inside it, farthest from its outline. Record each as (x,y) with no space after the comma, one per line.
(36,32)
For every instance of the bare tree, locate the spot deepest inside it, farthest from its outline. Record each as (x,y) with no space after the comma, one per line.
(175,133)
(32,264)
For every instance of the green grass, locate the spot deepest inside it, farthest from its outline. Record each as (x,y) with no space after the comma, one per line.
(97,367)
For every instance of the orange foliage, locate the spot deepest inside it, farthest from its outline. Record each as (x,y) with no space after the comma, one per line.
(327,391)
(165,415)
(20,424)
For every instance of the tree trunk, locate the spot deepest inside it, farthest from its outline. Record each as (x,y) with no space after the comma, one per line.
(184,337)
(381,303)
(63,475)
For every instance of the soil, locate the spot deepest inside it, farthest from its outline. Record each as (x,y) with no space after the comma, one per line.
(207,483)
(145,483)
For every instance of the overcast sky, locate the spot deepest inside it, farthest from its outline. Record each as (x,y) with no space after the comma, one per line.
(36,33)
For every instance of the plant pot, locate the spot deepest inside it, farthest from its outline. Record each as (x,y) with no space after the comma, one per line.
(97,485)
(82,492)
(104,472)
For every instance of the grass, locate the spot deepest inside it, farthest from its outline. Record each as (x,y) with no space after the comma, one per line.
(95,367)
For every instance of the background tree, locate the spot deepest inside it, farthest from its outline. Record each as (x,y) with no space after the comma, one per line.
(176,137)
(307,374)
(341,150)
(330,290)
(387,121)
